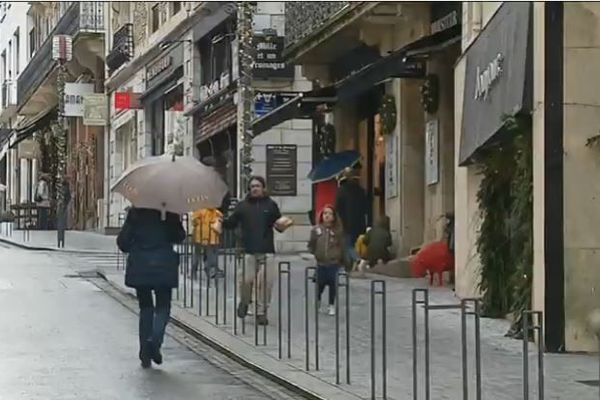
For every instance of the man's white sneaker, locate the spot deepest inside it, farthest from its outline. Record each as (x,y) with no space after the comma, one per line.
(331,310)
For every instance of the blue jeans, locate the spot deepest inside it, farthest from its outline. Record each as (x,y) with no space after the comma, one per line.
(350,250)
(327,276)
(153,318)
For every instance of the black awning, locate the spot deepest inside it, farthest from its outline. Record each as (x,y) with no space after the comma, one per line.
(159,89)
(5,135)
(302,106)
(434,43)
(27,131)
(498,78)
(396,65)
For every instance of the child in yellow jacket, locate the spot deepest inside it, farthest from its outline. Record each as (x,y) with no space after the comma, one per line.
(206,241)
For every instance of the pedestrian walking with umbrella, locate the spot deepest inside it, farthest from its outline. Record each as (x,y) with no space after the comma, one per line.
(160,188)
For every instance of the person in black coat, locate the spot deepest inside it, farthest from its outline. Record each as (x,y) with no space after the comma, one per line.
(256,215)
(152,266)
(351,205)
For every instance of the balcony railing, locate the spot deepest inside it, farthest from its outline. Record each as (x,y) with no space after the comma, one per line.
(304,18)
(122,48)
(9,94)
(80,17)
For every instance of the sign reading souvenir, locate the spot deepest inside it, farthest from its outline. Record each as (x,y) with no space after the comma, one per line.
(95,110)
(74,93)
(282,170)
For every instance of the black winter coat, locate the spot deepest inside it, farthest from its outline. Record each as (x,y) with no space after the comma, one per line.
(256,217)
(351,206)
(148,241)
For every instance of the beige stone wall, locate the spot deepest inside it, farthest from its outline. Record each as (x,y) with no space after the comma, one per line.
(581,166)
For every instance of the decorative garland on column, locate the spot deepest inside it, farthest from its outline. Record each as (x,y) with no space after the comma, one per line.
(60,133)
(388,114)
(246,94)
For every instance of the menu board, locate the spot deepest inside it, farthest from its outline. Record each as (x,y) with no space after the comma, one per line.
(282,170)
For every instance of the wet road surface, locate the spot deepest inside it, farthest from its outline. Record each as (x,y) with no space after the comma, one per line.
(63,338)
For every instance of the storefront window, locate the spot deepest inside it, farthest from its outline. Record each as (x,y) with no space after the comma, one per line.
(173,112)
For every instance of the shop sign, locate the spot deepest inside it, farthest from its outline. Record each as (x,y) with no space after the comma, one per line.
(282,170)
(265,102)
(164,66)
(269,62)
(27,149)
(74,93)
(446,22)
(127,101)
(432,152)
(208,91)
(487,78)
(95,109)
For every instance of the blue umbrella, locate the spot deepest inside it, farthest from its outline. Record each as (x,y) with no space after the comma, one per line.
(333,165)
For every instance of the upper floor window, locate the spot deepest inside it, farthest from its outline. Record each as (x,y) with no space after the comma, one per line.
(155,15)
(4,66)
(175,7)
(215,54)
(32,42)
(17,41)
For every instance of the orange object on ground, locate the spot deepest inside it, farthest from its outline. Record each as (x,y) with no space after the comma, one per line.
(434,257)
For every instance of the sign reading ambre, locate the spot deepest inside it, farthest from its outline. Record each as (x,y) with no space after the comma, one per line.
(282,170)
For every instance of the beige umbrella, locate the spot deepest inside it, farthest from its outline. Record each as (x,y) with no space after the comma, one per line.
(168,183)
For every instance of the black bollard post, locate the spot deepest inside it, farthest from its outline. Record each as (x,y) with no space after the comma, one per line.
(342,281)
(536,326)
(307,278)
(287,272)
(382,292)
(415,303)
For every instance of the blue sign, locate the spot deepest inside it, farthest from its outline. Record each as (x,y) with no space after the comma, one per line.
(265,102)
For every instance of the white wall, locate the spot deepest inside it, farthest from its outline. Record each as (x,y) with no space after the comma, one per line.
(15,19)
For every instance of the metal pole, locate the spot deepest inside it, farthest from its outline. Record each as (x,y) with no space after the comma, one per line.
(427,359)
(286,272)
(256,297)
(540,329)
(478,349)
(316,306)
(265,285)
(235,291)
(347,285)
(62,154)
(307,277)
(225,265)
(289,311)
(380,292)
(463,342)
(241,290)
(525,318)
(337,329)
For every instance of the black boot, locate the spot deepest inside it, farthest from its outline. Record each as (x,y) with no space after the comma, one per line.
(161,319)
(145,332)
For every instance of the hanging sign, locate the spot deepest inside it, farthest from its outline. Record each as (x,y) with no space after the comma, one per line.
(74,93)
(95,110)
(269,62)
(432,152)
(127,101)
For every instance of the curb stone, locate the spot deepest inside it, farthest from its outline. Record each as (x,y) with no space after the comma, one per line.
(290,377)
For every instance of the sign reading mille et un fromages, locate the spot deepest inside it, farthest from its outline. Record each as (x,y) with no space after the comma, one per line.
(488,77)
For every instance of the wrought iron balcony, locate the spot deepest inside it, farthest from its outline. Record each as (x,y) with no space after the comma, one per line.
(9,95)
(122,48)
(304,18)
(80,17)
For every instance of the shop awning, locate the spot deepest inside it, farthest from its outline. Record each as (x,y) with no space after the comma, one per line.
(28,128)
(302,106)
(498,78)
(434,43)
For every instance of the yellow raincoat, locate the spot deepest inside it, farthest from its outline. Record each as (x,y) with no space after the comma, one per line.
(202,220)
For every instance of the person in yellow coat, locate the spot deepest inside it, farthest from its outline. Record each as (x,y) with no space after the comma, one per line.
(207,241)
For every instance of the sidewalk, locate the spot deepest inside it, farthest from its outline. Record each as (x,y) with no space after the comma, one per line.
(501,357)
(75,241)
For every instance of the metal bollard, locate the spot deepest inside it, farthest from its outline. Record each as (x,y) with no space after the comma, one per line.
(241,294)
(235,291)
(264,286)
(189,251)
(208,285)
(539,327)
(316,304)
(342,283)
(225,265)
(198,268)
(425,303)
(307,277)
(463,316)
(286,272)
(382,293)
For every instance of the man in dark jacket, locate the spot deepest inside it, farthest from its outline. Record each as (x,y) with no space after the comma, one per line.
(256,216)
(351,206)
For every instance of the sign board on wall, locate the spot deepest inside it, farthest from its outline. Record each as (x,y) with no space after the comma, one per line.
(127,101)
(95,110)
(265,102)
(282,170)
(432,152)
(28,148)
(391,166)
(74,93)
(269,61)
